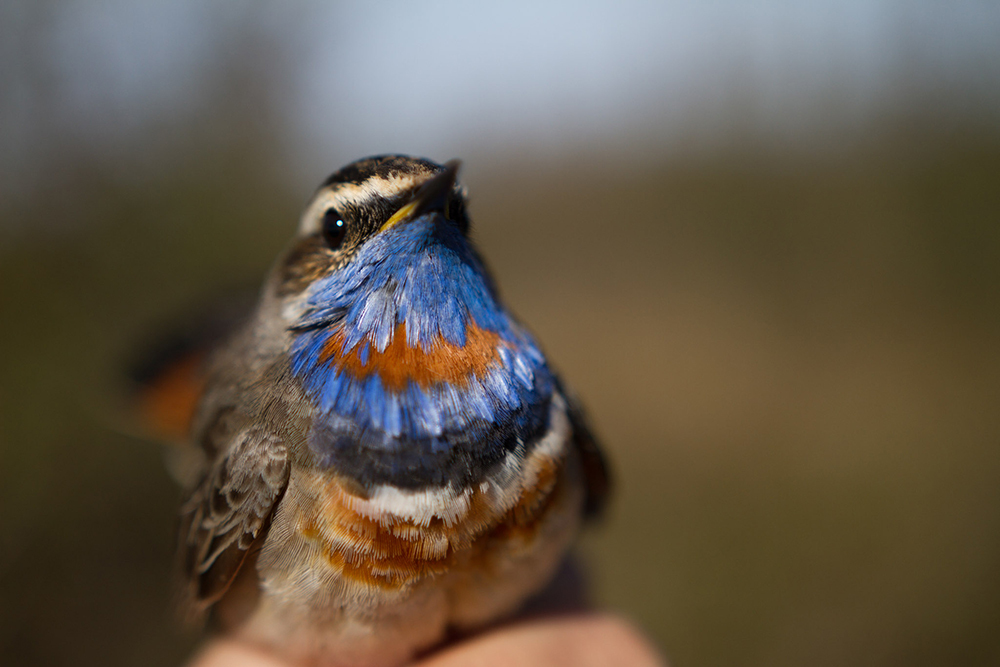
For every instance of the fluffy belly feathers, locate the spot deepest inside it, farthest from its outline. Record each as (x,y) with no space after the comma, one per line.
(383,576)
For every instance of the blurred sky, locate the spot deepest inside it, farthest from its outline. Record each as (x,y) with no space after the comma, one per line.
(629,79)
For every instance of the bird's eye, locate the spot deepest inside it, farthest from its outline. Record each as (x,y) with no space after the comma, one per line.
(334,227)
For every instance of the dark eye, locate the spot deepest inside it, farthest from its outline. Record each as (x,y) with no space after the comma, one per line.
(334,227)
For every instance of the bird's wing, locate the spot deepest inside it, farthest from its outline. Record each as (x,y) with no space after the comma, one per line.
(230,511)
(597,475)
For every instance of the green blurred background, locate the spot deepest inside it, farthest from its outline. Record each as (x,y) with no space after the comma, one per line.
(778,300)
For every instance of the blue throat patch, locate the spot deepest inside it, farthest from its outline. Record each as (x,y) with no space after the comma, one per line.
(420,377)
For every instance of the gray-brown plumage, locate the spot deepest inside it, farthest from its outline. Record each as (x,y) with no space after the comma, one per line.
(449,488)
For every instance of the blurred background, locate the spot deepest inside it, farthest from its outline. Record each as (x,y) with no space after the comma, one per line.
(761,240)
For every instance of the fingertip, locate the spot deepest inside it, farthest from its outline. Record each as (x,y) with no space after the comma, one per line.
(623,642)
(581,640)
(228,653)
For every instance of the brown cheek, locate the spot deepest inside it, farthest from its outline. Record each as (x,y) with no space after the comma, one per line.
(308,259)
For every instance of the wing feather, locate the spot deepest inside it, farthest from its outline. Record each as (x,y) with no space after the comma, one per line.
(596,472)
(230,512)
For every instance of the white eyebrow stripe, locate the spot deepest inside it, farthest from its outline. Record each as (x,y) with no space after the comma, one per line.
(357,194)
(380,186)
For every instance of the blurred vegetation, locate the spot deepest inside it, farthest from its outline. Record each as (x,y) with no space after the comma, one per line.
(793,360)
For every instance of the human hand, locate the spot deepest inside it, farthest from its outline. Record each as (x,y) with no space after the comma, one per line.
(578,640)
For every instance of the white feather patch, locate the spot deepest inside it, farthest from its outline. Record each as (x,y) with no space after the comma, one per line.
(503,487)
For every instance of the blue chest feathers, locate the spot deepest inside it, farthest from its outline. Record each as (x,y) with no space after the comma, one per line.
(419,376)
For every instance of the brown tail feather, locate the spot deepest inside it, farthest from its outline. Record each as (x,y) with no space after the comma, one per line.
(168,378)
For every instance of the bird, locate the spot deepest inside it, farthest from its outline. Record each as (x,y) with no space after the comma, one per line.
(385,455)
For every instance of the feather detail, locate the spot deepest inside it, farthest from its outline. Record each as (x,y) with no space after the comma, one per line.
(230,511)
(416,369)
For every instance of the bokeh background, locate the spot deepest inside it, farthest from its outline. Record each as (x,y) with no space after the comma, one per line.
(762,240)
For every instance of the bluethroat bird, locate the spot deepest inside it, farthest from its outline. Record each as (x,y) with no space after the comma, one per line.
(387,455)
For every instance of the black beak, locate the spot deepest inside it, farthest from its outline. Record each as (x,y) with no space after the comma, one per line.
(432,195)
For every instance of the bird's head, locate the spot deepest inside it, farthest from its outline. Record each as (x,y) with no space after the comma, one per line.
(418,374)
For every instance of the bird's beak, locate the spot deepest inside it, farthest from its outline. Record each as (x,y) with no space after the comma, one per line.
(432,195)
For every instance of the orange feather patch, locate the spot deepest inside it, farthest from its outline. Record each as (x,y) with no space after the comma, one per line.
(168,403)
(399,363)
(392,552)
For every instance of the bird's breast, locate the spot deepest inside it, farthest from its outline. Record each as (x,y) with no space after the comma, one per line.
(389,539)
(419,376)
(399,364)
